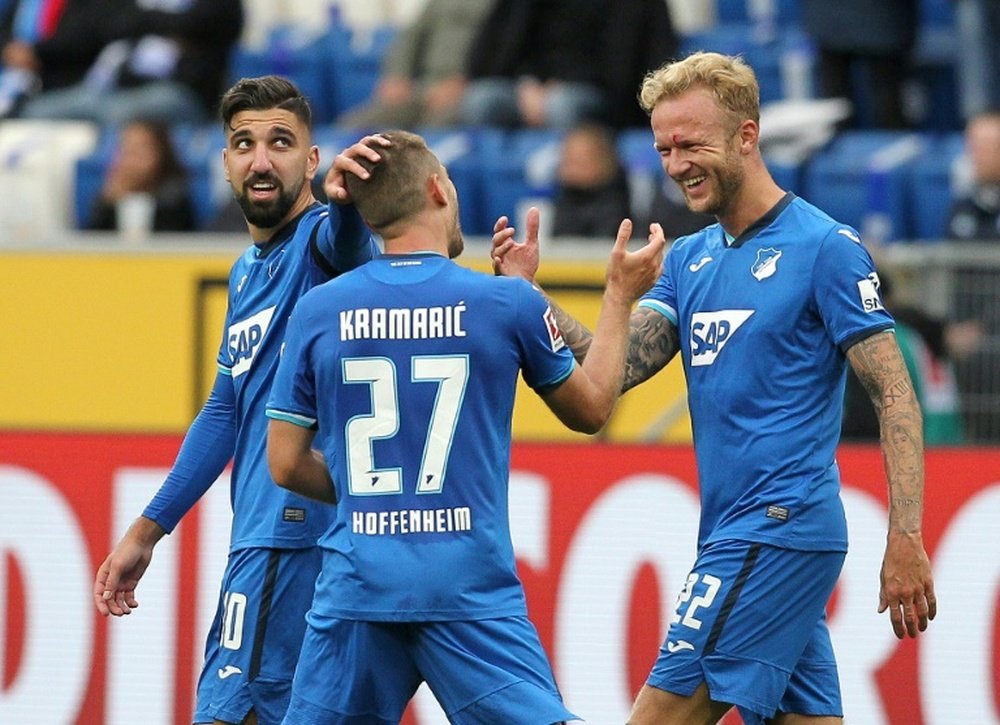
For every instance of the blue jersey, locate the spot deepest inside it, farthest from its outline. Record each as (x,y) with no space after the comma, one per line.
(264,285)
(764,322)
(409,366)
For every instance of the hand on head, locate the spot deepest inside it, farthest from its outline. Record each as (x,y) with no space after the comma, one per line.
(346,162)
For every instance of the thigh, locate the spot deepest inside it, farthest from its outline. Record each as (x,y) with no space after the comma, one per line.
(747,614)
(492,670)
(353,673)
(254,642)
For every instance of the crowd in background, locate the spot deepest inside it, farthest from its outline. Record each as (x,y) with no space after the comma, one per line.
(137,69)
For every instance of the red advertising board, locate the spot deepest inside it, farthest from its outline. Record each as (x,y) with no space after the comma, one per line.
(604,535)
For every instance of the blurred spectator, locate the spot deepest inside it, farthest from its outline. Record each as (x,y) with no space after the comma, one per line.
(146,186)
(978,24)
(558,63)
(670,210)
(44,46)
(161,60)
(930,348)
(870,42)
(592,195)
(977,214)
(423,73)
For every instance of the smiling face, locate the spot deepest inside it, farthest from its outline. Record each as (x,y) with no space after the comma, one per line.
(701,149)
(269,160)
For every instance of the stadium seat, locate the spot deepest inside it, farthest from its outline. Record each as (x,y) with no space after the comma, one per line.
(932,185)
(37,160)
(862,178)
(518,168)
(354,60)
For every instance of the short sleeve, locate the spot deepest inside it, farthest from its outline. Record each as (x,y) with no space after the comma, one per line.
(847,289)
(547,360)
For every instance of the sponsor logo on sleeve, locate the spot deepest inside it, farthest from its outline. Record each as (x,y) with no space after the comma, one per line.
(868,288)
(555,334)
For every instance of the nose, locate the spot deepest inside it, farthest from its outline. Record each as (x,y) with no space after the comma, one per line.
(676,164)
(261,160)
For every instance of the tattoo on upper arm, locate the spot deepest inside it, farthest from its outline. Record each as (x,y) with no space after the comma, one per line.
(653,342)
(880,367)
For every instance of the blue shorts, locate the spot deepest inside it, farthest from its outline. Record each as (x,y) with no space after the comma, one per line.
(481,671)
(751,623)
(256,636)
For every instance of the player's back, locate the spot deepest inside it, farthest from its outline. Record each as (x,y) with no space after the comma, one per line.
(416,362)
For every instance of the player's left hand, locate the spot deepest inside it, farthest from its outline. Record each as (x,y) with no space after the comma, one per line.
(346,163)
(512,258)
(907,588)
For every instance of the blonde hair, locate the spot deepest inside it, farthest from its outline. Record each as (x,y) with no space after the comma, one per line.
(731,81)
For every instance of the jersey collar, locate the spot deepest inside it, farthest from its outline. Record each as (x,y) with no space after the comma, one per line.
(283,234)
(751,231)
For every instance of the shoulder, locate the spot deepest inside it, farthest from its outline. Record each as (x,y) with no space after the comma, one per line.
(813,224)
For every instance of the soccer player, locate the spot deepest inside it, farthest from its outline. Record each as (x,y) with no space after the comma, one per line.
(766,307)
(407,368)
(273,560)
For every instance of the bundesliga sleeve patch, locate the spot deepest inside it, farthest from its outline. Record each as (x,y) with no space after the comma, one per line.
(869,291)
(555,334)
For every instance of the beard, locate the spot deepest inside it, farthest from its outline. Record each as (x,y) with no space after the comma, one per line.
(456,243)
(267,215)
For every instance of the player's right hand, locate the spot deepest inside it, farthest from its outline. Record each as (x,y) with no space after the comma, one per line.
(512,258)
(334,185)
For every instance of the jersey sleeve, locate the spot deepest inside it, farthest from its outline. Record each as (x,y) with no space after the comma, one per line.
(547,360)
(344,241)
(207,448)
(846,289)
(293,393)
(662,297)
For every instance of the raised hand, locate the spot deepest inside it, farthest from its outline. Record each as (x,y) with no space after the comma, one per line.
(512,258)
(631,274)
(346,162)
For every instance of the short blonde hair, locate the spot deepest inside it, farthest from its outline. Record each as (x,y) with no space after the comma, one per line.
(731,81)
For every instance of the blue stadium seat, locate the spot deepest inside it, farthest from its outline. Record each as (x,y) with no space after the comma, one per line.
(931,189)
(862,178)
(516,165)
(354,63)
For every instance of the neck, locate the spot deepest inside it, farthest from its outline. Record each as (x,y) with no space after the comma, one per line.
(757,195)
(420,235)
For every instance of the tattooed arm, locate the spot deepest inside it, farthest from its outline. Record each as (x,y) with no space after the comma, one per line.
(907,587)
(653,339)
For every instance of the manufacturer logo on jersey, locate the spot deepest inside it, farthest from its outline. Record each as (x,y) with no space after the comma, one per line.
(710,331)
(555,334)
(679,646)
(245,337)
(868,288)
(243,281)
(229,671)
(766,264)
(850,235)
(695,266)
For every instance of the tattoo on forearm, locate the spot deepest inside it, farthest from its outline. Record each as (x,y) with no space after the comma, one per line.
(879,366)
(576,334)
(653,342)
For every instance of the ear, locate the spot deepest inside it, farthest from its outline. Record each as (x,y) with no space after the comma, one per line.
(436,189)
(225,165)
(749,135)
(312,163)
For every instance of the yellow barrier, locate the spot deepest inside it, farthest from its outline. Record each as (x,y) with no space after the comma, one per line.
(126,341)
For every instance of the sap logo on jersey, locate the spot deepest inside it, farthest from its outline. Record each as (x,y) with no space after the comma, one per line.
(245,338)
(868,288)
(710,331)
